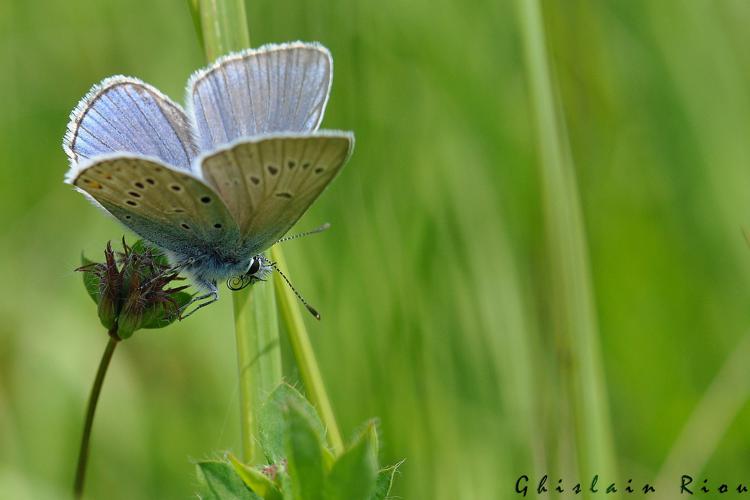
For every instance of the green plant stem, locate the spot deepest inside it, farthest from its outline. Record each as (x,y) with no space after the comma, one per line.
(96,389)
(223,28)
(195,14)
(258,357)
(304,354)
(571,290)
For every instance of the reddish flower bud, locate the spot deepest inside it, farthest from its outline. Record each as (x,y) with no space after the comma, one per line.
(129,289)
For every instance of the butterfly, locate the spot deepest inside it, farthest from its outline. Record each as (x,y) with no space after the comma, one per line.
(217,184)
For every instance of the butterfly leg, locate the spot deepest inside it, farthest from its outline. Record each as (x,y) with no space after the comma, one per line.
(173,269)
(209,298)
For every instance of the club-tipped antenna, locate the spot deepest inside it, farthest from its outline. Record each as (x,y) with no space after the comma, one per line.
(318,229)
(310,308)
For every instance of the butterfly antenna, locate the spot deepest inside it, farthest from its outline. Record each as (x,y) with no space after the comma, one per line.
(310,308)
(319,229)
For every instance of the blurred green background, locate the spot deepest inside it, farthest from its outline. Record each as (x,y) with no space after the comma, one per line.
(435,283)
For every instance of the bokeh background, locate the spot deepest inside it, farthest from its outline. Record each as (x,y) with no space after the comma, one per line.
(436,282)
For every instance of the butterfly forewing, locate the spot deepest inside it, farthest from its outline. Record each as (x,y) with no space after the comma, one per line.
(269,183)
(278,88)
(172,209)
(128,116)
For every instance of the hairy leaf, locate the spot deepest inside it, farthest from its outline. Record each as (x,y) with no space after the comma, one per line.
(384,482)
(271,420)
(222,482)
(304,449)
(255,480)
(354,474)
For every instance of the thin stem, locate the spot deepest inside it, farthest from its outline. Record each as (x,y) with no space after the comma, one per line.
(571,290)
(223,28)
(83,453)
(304,354)
(195,13)
(258,357)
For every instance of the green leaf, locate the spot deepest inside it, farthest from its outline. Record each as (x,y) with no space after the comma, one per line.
(354,474)
(161,315)
(255,480)
(271,420)
(304,454)
(384,482)
(222,482)
(90,280)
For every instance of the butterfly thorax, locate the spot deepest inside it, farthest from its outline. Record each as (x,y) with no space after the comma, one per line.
(212,266)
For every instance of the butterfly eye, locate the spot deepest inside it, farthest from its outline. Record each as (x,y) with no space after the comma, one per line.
(254,266)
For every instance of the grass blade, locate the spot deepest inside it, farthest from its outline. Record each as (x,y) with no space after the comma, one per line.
(224,29)
(258,357)
(224,26)
(571,291)
(304,355)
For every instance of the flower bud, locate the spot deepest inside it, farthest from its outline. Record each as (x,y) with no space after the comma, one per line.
(129,289)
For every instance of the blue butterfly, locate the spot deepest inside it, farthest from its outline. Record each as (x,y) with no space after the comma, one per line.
(216,185)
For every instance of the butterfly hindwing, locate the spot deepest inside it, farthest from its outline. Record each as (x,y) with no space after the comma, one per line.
(173,209)
(125,115)
(269,182)
(276,88)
